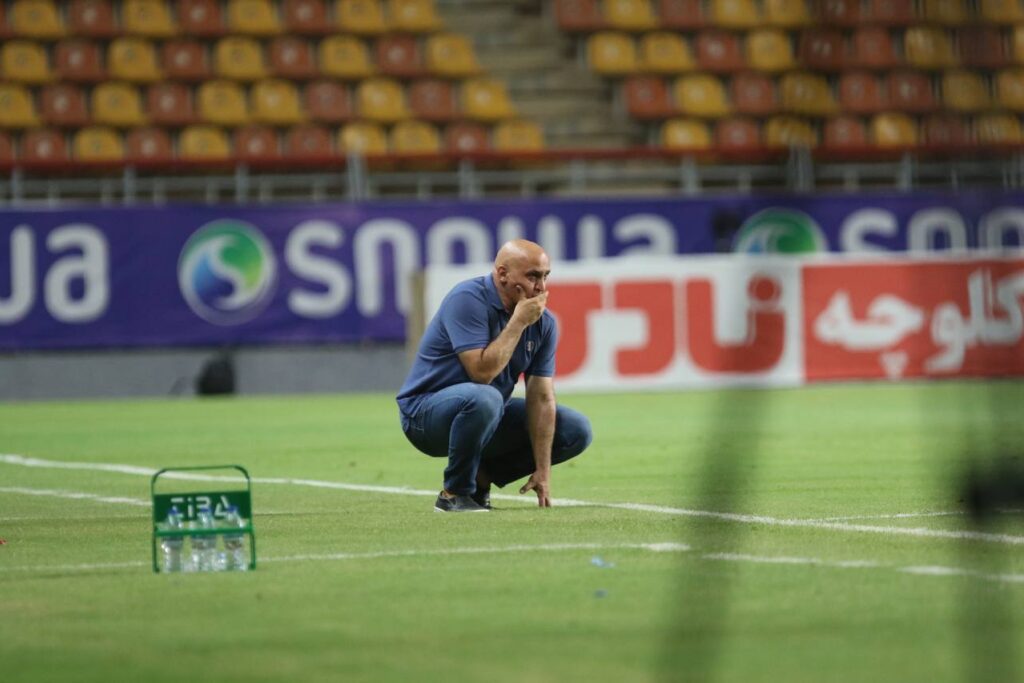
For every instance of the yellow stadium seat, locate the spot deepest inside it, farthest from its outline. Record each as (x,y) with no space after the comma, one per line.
(685,134)
(413,16)
(133,59)
(239,58)
(117,104)
(276,102)
(612,53)
(451,55)
(253,17)
(964,91)
(201,142)
(893,130)
(629,15)
(97,143)
(786,13)
(998,129)
(381,99)
(806,93)
(518,135)
(1017,44)
(223,103)
(735,14)
(345,57)
(769,50)
(24,61)
(363,137)
(150,18)
(789,131)
(36,19)
(1002,11)
(361,16)
(1010,89)
(486,99)
(665,52)
(16,107)
(415,137)
(929,47)
(701,95)
(949,12)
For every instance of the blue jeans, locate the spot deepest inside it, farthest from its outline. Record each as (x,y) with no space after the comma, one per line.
(474,428)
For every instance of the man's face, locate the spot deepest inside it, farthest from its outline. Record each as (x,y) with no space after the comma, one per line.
(529,273)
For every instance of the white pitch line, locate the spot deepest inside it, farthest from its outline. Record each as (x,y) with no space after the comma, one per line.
(74,495)
(919,532)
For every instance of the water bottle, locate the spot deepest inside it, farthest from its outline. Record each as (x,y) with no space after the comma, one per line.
(204,548)
(235,558)
(171,546)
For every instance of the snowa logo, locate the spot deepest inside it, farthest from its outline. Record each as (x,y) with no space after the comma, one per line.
(227,272)
(779,231)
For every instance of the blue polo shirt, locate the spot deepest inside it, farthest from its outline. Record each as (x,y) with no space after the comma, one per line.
(471,317)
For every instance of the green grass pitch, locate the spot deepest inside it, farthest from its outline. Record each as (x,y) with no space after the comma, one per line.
(842,554)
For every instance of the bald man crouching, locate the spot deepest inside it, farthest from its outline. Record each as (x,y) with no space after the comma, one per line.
(456,401)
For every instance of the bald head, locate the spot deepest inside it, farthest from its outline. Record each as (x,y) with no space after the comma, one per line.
(521,269)
(518,250)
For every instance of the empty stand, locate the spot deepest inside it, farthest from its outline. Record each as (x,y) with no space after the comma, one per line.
(79,61)
(133,59)
(982,47)
(399,56)
(1009,89)
(328,102)
(6,149)
(185,60)
(581,16)
(788,14)
(911,91)
(838,13)
(25,61)
(891,12)
(43,145)
(789,131)
(735,14)
(844,132)
(682,15)
(682,133)
(701,95)
(945,130)
(891,129)
(97,143)
(719,51)
(629,15)
(1007,12)
(433,99)
(415,137)
(517,135)
(861,92)
(292,57)
(737,134)
(276,102)
(36,19)
(997,129)
(239,58)
(202,18)
(466,137)
(117,104)
(64,105)
(451,55)
(170,104)
(948,12)
(486,99)
(965,91)
(381,99)
(413,16)
(769,50)
(929,47)
(149,144)
(612,53)
(753,94)
(253,17)
(204,143)
(92,19)
(874,48)
(308,141)
(306,17)
(665,52)
(223,103)
(360,16)
(363,137)
(148,18)
(345,57)
(647,97)
(823,49)
(807,93)
(256,143)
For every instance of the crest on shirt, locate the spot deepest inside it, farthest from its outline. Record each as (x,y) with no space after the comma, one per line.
(529,346)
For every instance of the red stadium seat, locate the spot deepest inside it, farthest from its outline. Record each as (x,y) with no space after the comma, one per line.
(399,56)
(946,130)
(838,13)
(79,60)
(306,17)
(466,137)
(845,131)
(170,104)
(308,141)
(737,134)
(328,102)
(202,18)
(753,94)
(432,99)
(292,57)
(255,143)
(892,12)
(911,91)
(682,15)
(148,144)
(6,149)
(982,47)
(43,145)
(185,60)
(582,16)
(719,51)
(647,97)
(64,105)
(822,49)
(874,48)
(92,18)
(861,93)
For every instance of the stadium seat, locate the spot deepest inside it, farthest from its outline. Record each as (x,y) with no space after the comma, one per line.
(6,149)
(399,56)
(844,131)
(360,16)
(117,104)
(1017,44)
(682,133)
(874,48)
(808,94)
(328,102)
(701,95)
(200,18)
(993,129)
(753,94)
(39,19)
(861,93)
(838,13)
(203,143)
(306,17)
(415,137)
(579,16)
(223,103)
(737,134)
(629,15)
(823,49)
(24,61)
(92,19)
(185,60)
(79,61)
(276,102)
(682,15)
(612,53)
(292,57)
(982,47)
(964,91)
(17,110)
(946,12)
(465,137)
(665,52)
(1009,87)
(486,99)
(97,143)
(253,17)
(148,18)
(345,57)
(451,55)
(381,99)
(769,50)
(891,12)
(133,59)
(647,97)
(719,51)
(256,143)
(43,145)
(517,135)
(945,130)
(910,91)
(63,105)
(734,14)
(786,13)
(431,99)
(929,47)
(239,58)
(891,129)
(413,16)
(1003,12)
(364,138)
(148,144)
(789,131)
(170,104)
(308,141)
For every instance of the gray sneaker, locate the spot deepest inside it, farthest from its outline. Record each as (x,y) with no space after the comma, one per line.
(457,504)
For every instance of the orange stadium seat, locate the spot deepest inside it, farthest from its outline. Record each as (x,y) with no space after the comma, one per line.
(255,143)
(486,99)
(276,101)
(399,56)
(982,47)
(945,129)
(36,19)
(647,97)
(1005,12)
(838,13)
(328,102)
(1017,44)
(25,61)
(737,134)
(874,48)
(682,15)
(996,129)
(6,149)
(911,91)
(239,58)
(965,91)
(929,47)
(203,143)
(381,99)
(64,105)
(861,93)
(185,60)
(451,55)
(682,133)
(823,49)
(948,12)
(360,16)
(466,137)
(612,53)
(92,18)
(786,13)
(413,16)
(719,51)
(345,57)
(253,17)
(133,59)
(769,50)
(415,137)
(844,131)
(223,103)
(893,130)
(363,137)
(306,17)
(579,16)
(1009,87)
(808,94)
(79,61)
(43,145)
(734,14)
(891,12)
(148,144)
(149,18)
(201,18)
(517,135)
(308,141)
(753,94)
(431,99)
(170,104)
(665,52)
(789,131)
(292,57)
(701,95)
(629,15)
(97,143)
(117,104)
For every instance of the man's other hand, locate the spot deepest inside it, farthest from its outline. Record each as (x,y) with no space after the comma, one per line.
(539,483)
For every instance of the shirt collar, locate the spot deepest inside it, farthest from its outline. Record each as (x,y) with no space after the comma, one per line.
(492,293)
